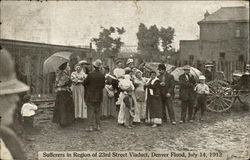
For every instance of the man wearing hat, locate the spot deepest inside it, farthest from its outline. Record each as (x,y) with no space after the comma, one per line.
(94,84)
(167,92)
(187,94)
(10,147)
(208,72)
(244,81)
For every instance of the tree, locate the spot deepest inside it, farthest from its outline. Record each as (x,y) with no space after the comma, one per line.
(167,37)
(142,37)
(149,39)
(108,44)
(153,39)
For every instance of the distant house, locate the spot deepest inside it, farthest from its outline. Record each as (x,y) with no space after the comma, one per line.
(223,36)
(128,51)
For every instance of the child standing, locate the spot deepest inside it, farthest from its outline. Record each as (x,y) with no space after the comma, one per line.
(129,108)
(28,112)
(202,91)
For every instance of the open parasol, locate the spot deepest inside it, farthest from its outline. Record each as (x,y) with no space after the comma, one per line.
(153,66)
(52,63)
(83,62)
(180,70)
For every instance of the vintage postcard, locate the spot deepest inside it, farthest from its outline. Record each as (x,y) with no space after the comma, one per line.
(124,80)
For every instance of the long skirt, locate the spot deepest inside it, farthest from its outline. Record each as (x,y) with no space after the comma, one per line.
(108,105)
(140,98)
(121,114)
(64,108)
(154,109)
(142,109)
(79,102)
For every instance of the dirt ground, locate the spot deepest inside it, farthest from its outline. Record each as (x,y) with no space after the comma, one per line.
(227,133)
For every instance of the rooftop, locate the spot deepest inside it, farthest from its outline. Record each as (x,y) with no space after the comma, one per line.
(239,13)
(36,44)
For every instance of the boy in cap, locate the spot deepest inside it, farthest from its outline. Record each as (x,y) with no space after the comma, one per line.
(202,91)
(28,112)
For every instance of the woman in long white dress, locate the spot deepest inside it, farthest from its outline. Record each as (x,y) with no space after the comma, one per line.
(77,78)
(124,84)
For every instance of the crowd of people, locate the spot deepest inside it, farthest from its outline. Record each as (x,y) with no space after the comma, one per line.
(125,94)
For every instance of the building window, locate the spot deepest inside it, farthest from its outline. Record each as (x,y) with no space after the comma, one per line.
(191,57)
(237,33)
(241,58)
(222,55)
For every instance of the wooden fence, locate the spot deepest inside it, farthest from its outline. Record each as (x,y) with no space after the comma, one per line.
(43,84)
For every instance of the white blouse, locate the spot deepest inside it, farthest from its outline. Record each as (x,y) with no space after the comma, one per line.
(28,109)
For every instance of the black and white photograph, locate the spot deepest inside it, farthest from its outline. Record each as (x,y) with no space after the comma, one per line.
(124,80)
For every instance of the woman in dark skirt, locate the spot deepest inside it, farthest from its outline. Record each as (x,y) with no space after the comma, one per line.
(153,100)
(64,105)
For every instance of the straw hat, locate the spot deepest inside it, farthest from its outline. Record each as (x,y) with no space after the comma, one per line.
(97,63)
(83,62)
(202,78)
(8,82)
(247,66)
(118,61)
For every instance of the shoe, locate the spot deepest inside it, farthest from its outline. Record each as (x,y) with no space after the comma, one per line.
(129,127)
(173,123)
(29,139)
(181,122)
(154,125)
(201,119)
(90,129)
(191,121)
(98,128)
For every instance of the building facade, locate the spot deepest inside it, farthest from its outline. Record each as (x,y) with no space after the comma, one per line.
(224,35)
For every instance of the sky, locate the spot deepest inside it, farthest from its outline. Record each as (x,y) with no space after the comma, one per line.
(77,22)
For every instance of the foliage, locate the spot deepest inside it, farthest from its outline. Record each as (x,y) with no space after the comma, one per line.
(106,42)
(167,37)
(150,39)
